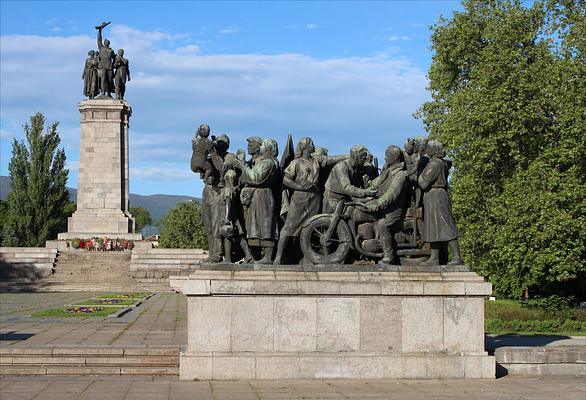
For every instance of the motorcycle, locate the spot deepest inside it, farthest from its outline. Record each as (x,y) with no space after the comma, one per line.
(330,238)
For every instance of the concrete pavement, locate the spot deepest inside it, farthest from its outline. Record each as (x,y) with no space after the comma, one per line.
(147,388)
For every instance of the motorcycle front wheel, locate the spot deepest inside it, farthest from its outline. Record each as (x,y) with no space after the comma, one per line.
(317,250)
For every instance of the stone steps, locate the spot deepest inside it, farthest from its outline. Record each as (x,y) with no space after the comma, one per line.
(26,263)
(141,269)
(541,361)
(149,264)
(78,266)
(97,360)
(97,271)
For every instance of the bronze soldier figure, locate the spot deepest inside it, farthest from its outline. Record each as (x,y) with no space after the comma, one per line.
(390,204)
(122,74)
(106,63)
(345,180)
(439,226)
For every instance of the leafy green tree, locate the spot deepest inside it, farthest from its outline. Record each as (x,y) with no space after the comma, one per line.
(508,87)
(182,227)
(3,214)
(141,216)
(38,199)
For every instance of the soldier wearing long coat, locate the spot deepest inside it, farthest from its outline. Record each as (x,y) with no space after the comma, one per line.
(439,226)
(122,74)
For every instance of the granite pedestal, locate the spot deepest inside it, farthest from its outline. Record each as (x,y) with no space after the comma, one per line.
(246,323)
(102,195)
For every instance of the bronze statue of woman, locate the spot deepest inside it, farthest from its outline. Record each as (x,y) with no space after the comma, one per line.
(302,176)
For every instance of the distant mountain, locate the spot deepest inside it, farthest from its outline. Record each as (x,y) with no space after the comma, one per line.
(156,204)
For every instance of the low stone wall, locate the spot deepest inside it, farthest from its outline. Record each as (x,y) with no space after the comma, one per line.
(300,324)
(26,263)
(157,263)
(541,361)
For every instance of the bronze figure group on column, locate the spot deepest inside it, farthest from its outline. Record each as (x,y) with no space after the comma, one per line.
(104,71)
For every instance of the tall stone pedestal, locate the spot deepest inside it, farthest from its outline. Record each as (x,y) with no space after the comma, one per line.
(102,194)
(250,324)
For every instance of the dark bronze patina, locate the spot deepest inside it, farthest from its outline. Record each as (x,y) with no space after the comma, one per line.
(259,208)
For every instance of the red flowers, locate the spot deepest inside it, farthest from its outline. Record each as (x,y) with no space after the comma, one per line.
(101,244)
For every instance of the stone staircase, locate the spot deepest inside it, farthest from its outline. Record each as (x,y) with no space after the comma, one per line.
(47,269)
(87,271)
(26,264)
(97,360)
(155,265)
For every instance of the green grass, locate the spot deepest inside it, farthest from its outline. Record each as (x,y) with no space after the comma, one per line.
(126,299)
(60,313)
(508,316)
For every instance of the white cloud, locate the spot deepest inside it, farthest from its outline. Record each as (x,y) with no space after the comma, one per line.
(7,135)
(52,25)
(394,38)
(188,49)
(309,26)
(229,30)
(161,174)
(338,101)
(72,166)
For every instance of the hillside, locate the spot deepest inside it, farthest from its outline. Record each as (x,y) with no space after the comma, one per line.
(156,204)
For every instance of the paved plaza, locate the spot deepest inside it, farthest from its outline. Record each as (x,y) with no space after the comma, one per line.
(159,321)
(146,388)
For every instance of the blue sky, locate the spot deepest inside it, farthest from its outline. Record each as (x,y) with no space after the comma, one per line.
(340,72)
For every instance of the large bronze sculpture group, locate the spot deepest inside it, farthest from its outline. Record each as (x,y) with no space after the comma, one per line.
(311,207)
(104,71)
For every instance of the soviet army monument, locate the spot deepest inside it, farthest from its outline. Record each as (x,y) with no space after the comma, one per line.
(343,268)
(102,197)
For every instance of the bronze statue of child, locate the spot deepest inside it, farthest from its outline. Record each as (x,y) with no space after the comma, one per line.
(231,230)
(201,148)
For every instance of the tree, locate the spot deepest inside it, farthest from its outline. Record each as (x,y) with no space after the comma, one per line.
(3,215)
(182,227)
(38,199)
(141,216)
(508,88)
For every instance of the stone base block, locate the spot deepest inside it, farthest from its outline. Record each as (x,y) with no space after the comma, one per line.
(100,221)
(541,361)
(315,365)
(334,324)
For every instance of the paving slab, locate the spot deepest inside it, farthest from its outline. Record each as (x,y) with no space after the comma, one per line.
(158,321)
(122,387)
